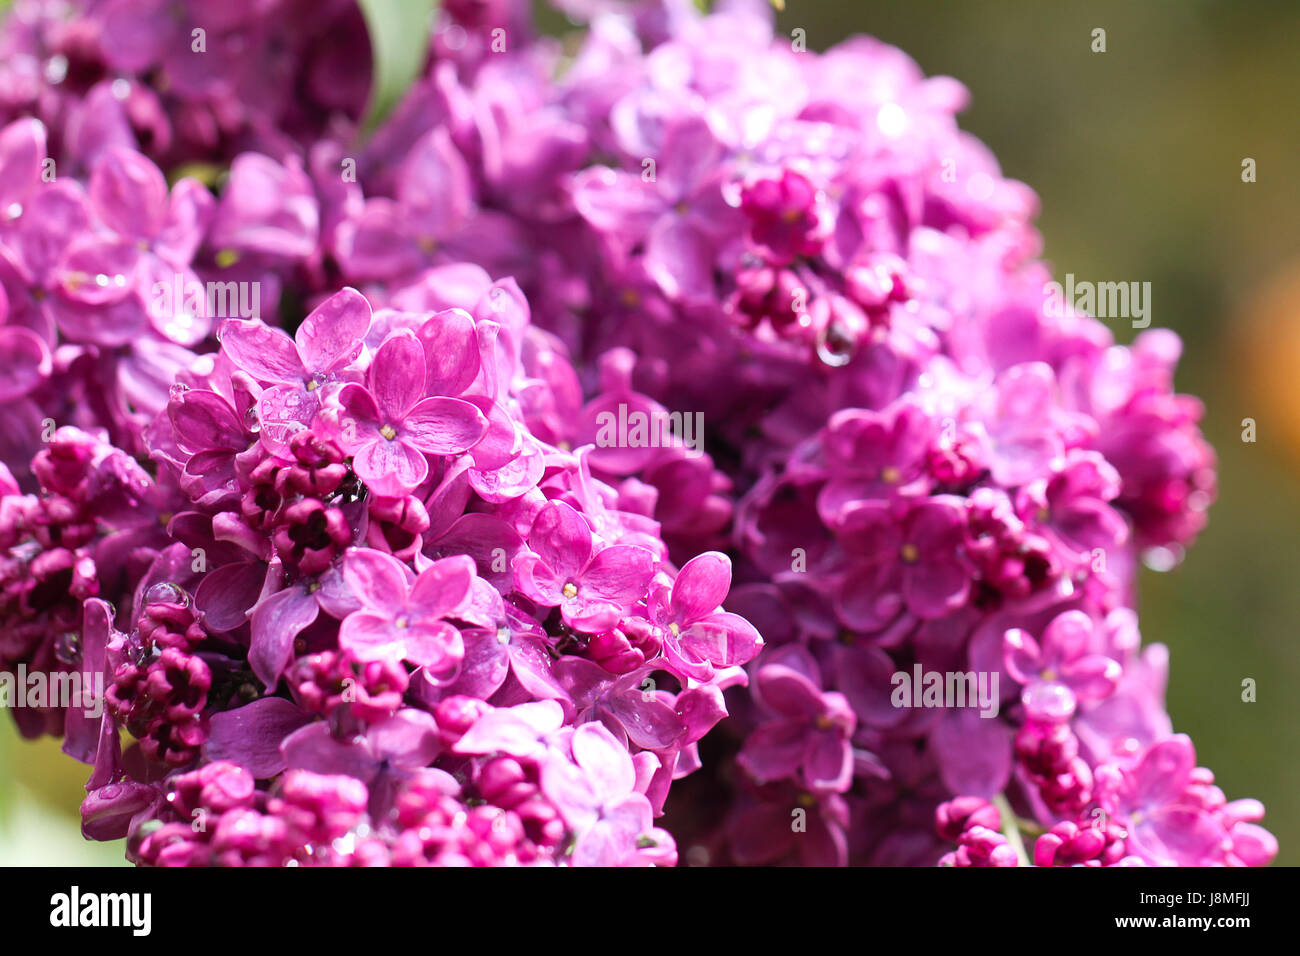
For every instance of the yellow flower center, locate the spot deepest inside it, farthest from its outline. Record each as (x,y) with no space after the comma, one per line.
(570,590)
(389,432)
(910,553)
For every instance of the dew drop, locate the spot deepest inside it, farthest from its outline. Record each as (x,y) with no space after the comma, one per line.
(166,592)
(454,36)
(892,120)
(56,69)
(67,648)
(1162,558)
(834,348)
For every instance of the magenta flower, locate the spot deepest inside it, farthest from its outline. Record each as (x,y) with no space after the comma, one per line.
(873,455)
(1166,824)
(922,561)
(393,748)
(593,787)
(24,361)
(155,236)
(624,704)
(389,425)
(809,730)
(1019,432)
(328,342)
(1074,505)
(788,217)
(521,731)
(403,617)
(267,209)
(433,220)
(699,636)
(679,215)
(562,568)
(212,433)
(1063,671)
(371,594)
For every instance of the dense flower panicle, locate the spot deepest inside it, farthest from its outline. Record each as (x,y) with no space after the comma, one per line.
(342,454)
(304,619)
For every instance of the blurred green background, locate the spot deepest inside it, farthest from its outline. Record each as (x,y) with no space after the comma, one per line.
(1136,155)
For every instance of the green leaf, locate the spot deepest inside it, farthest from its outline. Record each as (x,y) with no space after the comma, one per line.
(399,42)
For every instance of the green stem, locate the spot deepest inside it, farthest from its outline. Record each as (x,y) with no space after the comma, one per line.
(1011,828)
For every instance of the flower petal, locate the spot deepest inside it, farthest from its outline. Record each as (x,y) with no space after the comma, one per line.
(250,736)
(24,362)
(443,426)
(277,622)
(129,193)
(267,354)
(450,350)
(330,337)
(390,468)
(378,579)
(701,587)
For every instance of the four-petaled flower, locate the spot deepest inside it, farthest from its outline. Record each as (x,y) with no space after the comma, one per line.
(563,569)
(809,730)
(388,425)
(328,341)
(403,617)
(698,635)
(1061,672)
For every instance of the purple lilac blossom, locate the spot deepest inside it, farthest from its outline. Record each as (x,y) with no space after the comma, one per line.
(373,593)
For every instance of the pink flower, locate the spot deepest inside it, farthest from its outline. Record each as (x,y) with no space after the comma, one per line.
(698,635)
(389,425)
(328,342)
(592,782)
(563,569)
(403,617)
(809,730)
(1062,671)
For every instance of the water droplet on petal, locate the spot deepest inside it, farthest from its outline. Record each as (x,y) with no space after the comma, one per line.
(833,348)
(892,120)
(67,648)
(56,69)
(166,592)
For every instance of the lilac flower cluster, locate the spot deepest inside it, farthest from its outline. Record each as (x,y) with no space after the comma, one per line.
(355,596)
(377,593)
(182,80)
(936,472)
